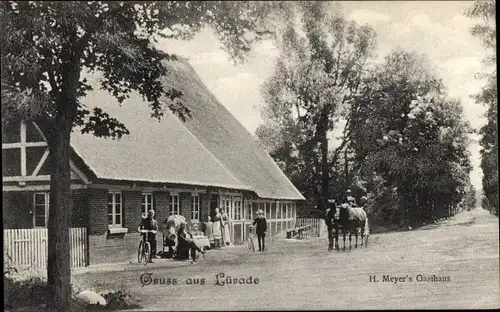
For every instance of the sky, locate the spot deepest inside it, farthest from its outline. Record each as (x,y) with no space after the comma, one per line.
(438,29)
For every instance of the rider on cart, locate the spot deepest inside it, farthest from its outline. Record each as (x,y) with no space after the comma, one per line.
(350,199)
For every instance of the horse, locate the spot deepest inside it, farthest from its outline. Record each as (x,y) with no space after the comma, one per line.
(351,219)
(332,224)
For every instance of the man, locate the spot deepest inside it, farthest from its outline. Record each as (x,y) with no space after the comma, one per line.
(364,202)
(186,241)
(330,218)
(260,224)
(150,224)
(350,199)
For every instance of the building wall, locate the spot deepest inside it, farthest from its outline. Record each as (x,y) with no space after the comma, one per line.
(205,206)
(17,209)
(161,205)
(90,209)
(98,211)
(185,205)
(132,209)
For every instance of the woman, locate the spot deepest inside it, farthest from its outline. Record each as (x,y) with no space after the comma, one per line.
(226,235)
(217,228)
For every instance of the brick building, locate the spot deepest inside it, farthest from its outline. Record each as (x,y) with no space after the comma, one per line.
(173,167)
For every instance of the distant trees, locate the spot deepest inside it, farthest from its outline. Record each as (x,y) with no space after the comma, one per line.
(410,143)
(485,11)
(404,142)
(319,71)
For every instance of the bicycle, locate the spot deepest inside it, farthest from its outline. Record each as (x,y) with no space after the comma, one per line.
(144,250)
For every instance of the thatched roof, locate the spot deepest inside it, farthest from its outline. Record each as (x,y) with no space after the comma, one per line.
(210,149)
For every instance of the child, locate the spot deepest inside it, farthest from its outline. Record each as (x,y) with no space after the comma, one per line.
(209,231)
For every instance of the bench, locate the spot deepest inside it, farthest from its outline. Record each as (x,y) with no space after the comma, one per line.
(300,232)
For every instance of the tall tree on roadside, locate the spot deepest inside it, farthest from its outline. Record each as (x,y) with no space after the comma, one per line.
(485,11)
(319,70)
(411,136)
(45,48)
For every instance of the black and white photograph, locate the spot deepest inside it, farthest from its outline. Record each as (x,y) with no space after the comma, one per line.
(249,155)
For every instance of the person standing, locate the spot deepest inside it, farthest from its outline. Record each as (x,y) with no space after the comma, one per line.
(226,234)
(150,224)
(260,224)
(217,228)
(209,231)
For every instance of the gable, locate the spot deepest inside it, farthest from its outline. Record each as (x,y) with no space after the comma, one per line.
(26,157)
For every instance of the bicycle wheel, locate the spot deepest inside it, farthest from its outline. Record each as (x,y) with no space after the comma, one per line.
(140,252)
(147,252)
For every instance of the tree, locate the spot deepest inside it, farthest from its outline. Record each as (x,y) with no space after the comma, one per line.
(46,46)
(486,31)
(410,140)
(319,70)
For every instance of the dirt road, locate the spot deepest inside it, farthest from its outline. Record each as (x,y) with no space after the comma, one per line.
(462,252)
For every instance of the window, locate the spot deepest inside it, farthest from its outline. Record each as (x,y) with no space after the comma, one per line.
(238,212)
(279,211)
(226,205)
(147,203)
(195,207)
(255,208)
(174,204)
(249,210)
(40,209)
(115,209)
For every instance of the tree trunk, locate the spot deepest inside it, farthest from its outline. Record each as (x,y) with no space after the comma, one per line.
(61,204)
(346,169)
(325,176)
(58,262)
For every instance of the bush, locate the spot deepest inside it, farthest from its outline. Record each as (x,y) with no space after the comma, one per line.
(120,300)
(31,294)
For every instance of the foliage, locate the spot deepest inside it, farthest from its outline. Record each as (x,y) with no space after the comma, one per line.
(32,292)
(411,136)
(486,31)
(319,70)
(120,300)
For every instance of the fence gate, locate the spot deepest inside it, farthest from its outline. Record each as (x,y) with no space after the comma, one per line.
(316,227)
(27,248)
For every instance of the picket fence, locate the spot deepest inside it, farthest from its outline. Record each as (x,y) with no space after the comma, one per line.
(317,229)
(27,248)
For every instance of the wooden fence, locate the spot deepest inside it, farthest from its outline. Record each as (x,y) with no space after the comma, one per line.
(27,248)
(316,228)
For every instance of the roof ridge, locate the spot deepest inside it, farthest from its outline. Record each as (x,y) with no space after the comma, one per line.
(247,133)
